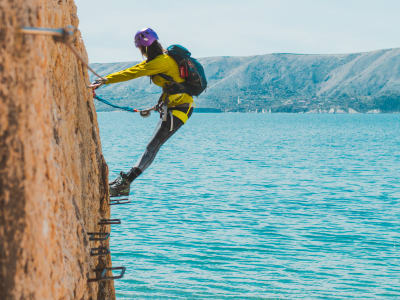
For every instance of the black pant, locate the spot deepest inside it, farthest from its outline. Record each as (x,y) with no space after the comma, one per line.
(163,132)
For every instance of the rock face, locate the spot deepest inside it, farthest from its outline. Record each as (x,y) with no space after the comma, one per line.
(53,177)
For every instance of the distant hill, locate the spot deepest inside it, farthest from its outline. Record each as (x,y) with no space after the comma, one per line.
(282,82)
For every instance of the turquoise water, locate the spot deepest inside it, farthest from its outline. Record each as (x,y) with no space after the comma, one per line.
(255,206)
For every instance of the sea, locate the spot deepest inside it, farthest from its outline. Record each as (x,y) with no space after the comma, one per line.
(259,206)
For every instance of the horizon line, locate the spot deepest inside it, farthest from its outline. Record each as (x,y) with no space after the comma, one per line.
(272,53)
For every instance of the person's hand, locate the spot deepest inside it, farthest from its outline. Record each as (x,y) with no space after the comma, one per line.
(98,83)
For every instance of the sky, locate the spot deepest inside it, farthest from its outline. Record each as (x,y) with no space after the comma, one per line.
(239,27)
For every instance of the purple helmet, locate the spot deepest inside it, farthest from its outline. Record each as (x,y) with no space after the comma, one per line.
(145,37)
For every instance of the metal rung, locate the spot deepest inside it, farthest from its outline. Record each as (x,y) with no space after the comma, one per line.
(64,35)
(61,34)
(42,30)
(104,272)
(109,221)
(99,251)
(118,198)
(119,201)
(102,236)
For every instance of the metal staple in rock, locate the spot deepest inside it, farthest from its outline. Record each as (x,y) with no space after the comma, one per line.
(63,35)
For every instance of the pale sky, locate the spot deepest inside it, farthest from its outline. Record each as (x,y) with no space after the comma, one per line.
(238,27)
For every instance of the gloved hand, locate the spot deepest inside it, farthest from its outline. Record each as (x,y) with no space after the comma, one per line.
(98,83)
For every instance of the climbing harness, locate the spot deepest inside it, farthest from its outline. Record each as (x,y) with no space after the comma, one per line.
(65,35)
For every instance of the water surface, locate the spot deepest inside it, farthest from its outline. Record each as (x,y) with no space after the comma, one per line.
(256,206)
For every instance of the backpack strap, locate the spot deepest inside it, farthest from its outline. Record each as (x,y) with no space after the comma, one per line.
(172,87)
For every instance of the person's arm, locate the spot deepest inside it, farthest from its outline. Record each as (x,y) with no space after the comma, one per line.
(153,67)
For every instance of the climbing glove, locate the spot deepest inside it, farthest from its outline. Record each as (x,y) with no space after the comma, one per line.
(98,83)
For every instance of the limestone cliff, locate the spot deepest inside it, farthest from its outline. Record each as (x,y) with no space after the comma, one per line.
(53,177)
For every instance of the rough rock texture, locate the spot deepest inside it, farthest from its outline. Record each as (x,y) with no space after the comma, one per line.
(53,177)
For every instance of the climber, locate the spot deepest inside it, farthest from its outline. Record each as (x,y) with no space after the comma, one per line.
(175,108)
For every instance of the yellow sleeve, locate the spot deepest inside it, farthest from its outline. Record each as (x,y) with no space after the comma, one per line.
(153,67)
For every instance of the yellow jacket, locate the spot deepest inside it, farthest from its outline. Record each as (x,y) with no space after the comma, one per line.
(161,64)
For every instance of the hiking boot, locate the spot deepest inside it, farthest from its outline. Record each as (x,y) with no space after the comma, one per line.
(120,186)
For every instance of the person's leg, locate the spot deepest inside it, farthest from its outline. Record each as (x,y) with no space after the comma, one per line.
(162,133)
(121,185)
(164,130)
